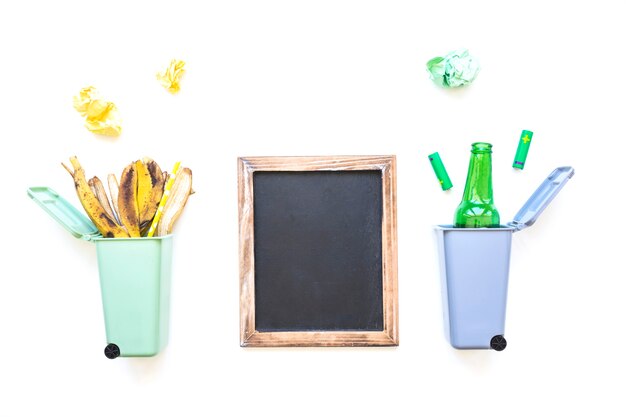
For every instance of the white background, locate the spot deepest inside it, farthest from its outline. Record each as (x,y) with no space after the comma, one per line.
(317,78)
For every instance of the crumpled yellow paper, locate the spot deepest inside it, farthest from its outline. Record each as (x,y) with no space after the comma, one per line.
(170,79)
(101,116)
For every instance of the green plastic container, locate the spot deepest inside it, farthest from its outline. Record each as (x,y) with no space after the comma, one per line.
(135,279)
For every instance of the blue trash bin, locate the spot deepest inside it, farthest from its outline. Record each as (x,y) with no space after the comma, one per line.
(474,265)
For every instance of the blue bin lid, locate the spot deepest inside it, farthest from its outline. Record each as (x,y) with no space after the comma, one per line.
(541,198)
(63,212)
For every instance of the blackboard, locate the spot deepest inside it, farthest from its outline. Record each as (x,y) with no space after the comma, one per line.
(318,251)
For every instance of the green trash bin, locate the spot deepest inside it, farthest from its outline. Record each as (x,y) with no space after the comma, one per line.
(135,279)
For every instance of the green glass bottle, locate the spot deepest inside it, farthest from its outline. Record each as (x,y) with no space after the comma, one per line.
(477,208)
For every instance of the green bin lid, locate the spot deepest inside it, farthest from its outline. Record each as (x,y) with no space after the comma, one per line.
(63,212)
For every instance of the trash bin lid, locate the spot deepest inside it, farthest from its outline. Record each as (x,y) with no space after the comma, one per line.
(63,212)
(540,199)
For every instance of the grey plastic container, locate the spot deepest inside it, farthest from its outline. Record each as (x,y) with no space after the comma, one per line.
(474,265)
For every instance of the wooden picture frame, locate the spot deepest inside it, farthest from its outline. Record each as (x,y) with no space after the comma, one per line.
(249,335)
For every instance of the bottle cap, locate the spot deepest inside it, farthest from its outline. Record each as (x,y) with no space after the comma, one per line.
(440,171)
(522,149)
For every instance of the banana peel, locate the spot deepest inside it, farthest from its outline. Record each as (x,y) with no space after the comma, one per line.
(98,189)
(106,224)
(150,185)
(114,189)
(127,200)
(134,201)
(179,193)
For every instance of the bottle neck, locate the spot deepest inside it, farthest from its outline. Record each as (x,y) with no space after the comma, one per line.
(478,186)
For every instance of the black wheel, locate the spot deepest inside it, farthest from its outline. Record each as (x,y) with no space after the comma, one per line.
(112,351)
(498,343)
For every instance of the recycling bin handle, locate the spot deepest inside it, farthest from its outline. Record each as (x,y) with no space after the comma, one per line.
(541,198)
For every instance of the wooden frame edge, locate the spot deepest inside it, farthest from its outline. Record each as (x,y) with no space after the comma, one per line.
(246,251)
(249,337)
(319,339)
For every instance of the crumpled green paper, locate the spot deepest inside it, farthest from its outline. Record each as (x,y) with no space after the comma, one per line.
(456,69)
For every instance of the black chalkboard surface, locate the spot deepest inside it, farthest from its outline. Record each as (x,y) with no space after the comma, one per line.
(317,251)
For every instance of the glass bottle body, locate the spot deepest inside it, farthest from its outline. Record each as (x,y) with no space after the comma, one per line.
(477,208)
